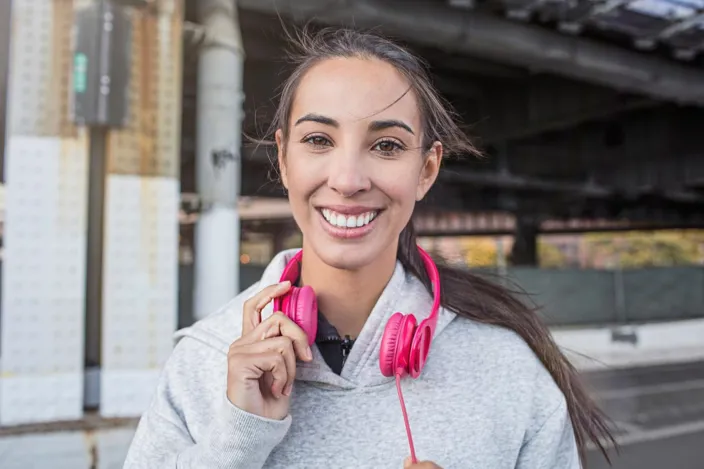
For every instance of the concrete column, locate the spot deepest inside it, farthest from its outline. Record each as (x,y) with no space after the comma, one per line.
(220,97)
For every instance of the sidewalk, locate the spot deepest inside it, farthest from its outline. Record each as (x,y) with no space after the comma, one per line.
(592,349)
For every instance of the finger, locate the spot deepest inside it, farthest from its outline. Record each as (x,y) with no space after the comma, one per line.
(282,345)
(280,324)
(252,310)
(252,366)
(274,363)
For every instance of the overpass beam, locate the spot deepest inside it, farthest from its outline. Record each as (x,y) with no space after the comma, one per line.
(528,46)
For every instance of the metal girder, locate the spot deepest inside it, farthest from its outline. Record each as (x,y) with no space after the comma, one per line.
(522,183)
(487,36)
(549,104)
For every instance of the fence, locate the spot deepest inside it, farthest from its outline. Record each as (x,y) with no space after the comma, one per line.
(596,297)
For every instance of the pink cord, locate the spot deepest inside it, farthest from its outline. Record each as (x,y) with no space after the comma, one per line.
(405,418)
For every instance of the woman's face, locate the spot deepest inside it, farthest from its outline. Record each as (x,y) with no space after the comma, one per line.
(353,163)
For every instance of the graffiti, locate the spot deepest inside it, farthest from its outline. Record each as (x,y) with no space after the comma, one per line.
(222,157)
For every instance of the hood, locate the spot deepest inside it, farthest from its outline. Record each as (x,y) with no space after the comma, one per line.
(403,293)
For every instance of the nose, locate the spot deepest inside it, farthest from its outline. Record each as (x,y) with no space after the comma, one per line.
(348,173)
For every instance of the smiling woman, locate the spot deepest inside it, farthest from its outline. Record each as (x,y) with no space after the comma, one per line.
(360,135)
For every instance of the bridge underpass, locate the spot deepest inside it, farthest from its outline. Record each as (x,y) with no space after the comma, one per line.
(576,141)
(560,144)
(577,128)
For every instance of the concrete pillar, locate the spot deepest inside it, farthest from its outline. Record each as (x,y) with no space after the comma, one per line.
(220,113)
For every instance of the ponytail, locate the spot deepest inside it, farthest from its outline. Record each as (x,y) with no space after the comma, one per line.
(476,298)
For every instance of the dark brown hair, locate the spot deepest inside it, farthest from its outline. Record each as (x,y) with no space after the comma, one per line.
(463,292)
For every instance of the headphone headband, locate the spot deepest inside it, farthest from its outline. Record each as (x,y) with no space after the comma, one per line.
(293,270)
(434,276)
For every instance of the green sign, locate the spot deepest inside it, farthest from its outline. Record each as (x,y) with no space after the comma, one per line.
(80,72)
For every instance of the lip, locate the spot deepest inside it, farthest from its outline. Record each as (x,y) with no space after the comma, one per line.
(349,209)
(347,233)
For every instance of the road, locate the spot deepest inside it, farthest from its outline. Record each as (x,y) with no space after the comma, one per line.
(659,411)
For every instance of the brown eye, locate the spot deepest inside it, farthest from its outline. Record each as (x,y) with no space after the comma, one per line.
(317,141)
(388,147)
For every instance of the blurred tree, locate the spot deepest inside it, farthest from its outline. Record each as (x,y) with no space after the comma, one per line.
(479,251)
(550,256)
(645,249)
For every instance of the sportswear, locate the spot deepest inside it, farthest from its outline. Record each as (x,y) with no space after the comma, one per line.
(483,401)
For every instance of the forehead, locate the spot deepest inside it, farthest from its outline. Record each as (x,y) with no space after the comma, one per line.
(356,90)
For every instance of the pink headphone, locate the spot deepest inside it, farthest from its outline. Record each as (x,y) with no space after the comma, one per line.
(404,345)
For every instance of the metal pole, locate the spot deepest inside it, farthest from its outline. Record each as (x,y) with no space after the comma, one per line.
(94,263)
(219,107)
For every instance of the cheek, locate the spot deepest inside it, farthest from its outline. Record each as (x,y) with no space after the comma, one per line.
(401,187)
(302,183)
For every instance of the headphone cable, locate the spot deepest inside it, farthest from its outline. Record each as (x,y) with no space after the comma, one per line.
(405,418)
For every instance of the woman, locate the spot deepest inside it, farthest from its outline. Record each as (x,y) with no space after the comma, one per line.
(360,134)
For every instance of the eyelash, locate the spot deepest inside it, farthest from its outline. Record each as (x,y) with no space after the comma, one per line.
(397,145)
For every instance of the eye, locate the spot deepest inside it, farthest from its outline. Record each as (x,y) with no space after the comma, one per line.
(388,147)
(317,141)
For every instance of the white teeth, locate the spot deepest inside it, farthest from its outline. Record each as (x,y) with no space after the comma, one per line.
(351,221)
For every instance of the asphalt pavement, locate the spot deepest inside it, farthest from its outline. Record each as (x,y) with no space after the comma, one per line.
(659,416)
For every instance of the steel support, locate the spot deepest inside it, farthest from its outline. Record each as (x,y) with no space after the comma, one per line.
(140,241)
(529,46)
(43,278)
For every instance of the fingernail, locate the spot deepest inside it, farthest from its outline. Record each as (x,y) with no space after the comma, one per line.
(285,283)
(308,353)
(407,462)
(288,389)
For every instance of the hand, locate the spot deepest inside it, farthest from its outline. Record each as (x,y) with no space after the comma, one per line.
(407,464)
(261,364)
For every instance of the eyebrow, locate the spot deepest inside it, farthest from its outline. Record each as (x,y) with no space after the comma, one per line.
(374,126)
(319,119)
(385,124)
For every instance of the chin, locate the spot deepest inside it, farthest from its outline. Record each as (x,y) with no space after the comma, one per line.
(351,257)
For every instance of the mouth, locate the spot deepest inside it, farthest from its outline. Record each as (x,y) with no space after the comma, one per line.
(340,220)
(352,224)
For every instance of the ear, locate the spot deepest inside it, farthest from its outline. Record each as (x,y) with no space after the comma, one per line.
(430,170)
(279,136)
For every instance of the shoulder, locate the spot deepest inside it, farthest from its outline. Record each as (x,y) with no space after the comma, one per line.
(502,360)
(487,344)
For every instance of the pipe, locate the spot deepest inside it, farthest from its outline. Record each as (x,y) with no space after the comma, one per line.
(482,35)
(218,161)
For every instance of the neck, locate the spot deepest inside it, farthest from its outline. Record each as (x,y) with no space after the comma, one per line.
(345,297)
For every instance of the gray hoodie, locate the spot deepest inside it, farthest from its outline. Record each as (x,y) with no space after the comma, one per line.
(484,400)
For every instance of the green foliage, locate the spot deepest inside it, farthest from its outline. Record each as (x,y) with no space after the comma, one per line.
(550,256)
(480,251)
(645,249)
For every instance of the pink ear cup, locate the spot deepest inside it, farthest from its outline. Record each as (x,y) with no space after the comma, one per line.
(387,352)
(303,310)
(419,348)
(395,351)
